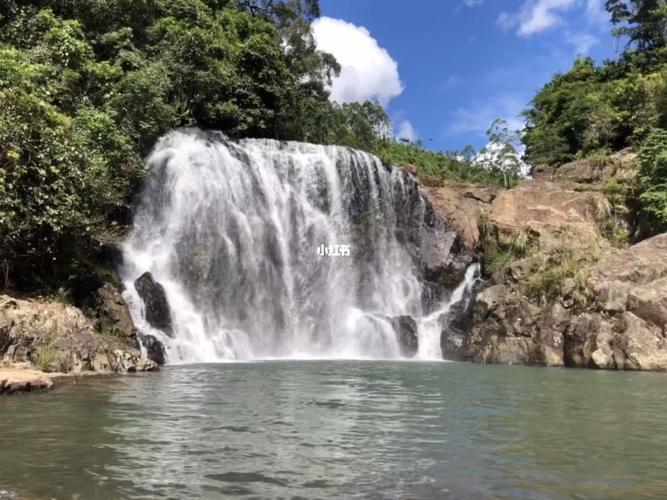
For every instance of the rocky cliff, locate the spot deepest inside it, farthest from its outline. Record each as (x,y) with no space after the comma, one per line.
(562,288)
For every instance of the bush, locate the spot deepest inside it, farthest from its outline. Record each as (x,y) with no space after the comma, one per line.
(45,358)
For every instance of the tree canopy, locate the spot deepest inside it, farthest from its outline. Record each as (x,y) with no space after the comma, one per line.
(88,86)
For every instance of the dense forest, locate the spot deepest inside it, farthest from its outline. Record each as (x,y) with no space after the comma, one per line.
(87,87)
(592,111)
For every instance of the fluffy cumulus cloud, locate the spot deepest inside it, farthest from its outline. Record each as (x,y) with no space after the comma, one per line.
(405,130)
(367,70)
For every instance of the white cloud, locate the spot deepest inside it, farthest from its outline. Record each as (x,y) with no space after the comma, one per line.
(406,131)
(596,12)
(472,3)
(367,70)
(582,42)
(536,16)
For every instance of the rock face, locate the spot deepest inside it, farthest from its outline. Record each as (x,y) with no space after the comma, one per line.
(463,206)
(620,165)
(567,297)
(59,338)
(114,315)
(547,211)
(406,329)
(158,313)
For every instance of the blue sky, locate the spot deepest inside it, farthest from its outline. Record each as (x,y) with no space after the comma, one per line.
(450,67)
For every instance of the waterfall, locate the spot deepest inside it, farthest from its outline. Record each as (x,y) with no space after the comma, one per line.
(269,249)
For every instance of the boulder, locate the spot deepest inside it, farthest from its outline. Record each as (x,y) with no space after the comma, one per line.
(622,326)
(156,306)
(155,350)
(408,339)
(634,278)
(642,345)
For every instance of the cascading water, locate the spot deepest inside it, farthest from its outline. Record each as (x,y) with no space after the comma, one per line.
(238,233)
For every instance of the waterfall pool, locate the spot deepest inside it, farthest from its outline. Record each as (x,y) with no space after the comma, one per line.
(340,429)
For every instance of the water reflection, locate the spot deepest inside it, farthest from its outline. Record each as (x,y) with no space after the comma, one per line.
(332,429)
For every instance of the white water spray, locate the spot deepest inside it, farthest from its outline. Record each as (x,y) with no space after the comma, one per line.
(232,232)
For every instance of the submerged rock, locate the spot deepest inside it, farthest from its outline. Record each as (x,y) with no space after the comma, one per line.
(155,350)
(406,329)
(157,310)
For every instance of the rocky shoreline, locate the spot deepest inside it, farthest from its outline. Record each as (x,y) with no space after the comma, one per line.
(43,340)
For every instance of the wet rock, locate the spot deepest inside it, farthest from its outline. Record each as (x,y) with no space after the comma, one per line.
(406,329)
(14,381)
(130,362)
(5,339)
(113,313)
(155,350)
(157,310)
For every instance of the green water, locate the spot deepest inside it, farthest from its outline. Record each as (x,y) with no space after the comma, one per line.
(340,430)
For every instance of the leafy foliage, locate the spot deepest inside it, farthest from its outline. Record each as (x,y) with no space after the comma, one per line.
(87,86)
(644,22)
(594,109)
(652,161)
(434,168)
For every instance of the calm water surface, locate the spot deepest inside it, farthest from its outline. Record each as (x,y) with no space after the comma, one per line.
(341,430)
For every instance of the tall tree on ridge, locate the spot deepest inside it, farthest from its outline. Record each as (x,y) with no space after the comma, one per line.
(644,22)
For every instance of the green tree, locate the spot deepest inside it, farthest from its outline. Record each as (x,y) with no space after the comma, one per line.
(644,22)
(652,160)
(501,154)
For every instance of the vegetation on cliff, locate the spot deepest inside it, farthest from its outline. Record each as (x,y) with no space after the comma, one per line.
(593,111)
